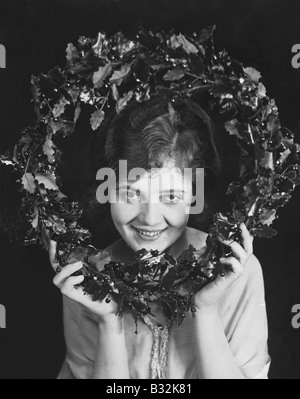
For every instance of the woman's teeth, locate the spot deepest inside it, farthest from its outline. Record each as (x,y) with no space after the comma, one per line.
(152,234)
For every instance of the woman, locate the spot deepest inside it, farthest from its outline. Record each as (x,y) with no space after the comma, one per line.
(226,337)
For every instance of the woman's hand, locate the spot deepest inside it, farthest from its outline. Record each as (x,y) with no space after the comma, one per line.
(68,285)
(209,296)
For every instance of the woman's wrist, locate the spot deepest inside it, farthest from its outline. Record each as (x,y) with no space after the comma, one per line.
(111,323)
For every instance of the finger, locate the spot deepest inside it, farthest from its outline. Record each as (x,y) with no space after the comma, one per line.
(69,286)
(52,254)
(236,266)
(247,239)
(238,251)
(66,272)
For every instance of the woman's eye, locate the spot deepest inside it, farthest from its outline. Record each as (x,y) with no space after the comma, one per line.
(133,196)
(172,199)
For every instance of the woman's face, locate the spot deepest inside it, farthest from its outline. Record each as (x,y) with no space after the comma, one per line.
(156,210)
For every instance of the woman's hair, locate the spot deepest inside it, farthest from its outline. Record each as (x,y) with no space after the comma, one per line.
(149,134)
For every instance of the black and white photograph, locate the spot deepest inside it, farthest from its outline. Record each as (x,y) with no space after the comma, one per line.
(149,192)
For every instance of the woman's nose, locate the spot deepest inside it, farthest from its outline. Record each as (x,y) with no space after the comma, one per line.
(151,214)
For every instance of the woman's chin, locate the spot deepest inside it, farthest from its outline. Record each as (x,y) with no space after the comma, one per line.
(148,246)
(137,244)
(156,245)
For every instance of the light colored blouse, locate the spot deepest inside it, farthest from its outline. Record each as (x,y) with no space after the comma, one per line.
(242,311)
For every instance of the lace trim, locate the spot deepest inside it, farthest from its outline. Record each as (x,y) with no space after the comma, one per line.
(160,349)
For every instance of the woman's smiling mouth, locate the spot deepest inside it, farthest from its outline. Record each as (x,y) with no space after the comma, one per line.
(149,235)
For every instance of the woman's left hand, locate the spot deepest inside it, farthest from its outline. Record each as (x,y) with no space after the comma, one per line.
(209,297)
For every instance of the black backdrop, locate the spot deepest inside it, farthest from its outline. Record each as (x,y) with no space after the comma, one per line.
(260,33)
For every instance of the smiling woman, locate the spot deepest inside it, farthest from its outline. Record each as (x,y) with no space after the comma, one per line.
(155,139)
(226,334)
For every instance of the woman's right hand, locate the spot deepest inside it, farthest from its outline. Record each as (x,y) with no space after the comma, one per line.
(68,285)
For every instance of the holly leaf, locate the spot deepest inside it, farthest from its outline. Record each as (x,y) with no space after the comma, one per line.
(56,224)
(267,216)
(28,182)
(47,179)
(168,306)
(98,46)
(64,126)
(97,118)
(279,200)
(181,41)
(77,112)
(123,101)
(48,150)
(206,33)
(72,53)
(199,253)
(174,74)
(168,280)
(232,128)
(253,74)
(59,108)
(267,160)
(100,75)
(35,218)
(187,254)
(100,259)
(78,254)
(262,91)
(273,123)
(36,92)
(119,76)
(260,187)
(87,97)
(264,232)
(234,187)
(74,93)
(44,238)
(26,140)
(284,155)
(115,92)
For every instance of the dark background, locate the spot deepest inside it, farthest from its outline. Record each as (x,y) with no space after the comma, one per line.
(260,33)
